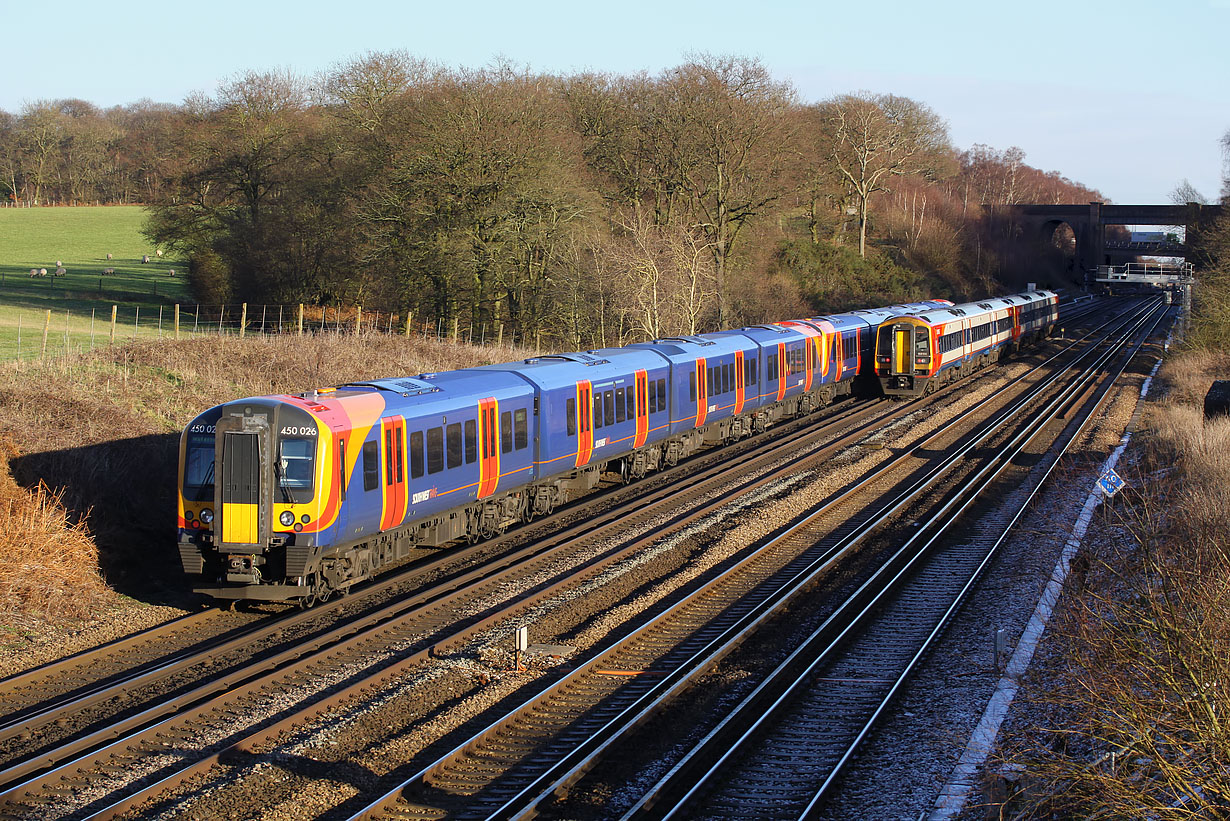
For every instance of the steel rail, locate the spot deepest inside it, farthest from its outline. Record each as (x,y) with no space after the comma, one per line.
(670,680)
(771,449)
(776,694)
(30,721)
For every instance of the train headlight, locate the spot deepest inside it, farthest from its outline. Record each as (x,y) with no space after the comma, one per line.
(287,518)
(207,516)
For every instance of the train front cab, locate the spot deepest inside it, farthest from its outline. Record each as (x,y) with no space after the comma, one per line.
(252,478)
(903,356)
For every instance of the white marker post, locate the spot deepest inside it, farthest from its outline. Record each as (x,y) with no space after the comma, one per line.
(523,644)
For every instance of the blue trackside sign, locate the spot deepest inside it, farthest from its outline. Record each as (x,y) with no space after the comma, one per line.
(1110,482)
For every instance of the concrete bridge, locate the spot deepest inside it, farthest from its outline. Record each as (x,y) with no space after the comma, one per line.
(1088,223)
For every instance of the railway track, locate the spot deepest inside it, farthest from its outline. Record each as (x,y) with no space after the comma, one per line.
(418,625)
(54,702)
(549,742)
(77,777)
(816,707)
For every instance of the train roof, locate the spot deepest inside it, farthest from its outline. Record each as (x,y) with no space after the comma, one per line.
(974,309)
(550,371)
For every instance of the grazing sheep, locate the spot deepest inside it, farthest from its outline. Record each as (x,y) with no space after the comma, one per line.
(33,272)
(159,252)
(108,271)
(108,256)
(60,272)
(42,272)
(59,264)
(171,272)
(144,259)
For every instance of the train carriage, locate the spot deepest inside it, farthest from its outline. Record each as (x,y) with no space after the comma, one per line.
(704,389)
(593,408)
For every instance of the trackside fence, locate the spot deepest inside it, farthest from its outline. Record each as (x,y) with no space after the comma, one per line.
(33,334)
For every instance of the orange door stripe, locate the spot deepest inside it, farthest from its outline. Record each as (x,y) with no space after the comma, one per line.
(394,475)
(639,404)
(809,362)
(740,373)
(781,371)
(585,429)
(488,446)
(702,398)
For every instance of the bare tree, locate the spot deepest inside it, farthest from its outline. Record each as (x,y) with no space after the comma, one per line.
(874,137)
(670,271)
(732,137)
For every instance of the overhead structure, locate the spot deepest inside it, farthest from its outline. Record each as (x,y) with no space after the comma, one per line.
(1088,224)
(1161,275)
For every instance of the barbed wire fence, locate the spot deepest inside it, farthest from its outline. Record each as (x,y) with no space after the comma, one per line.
(31,334)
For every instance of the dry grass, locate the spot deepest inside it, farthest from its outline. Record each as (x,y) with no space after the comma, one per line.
(1131,710)
(48,562)
(101,432)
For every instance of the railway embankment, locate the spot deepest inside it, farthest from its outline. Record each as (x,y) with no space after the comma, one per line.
(88,474)
(1120,711)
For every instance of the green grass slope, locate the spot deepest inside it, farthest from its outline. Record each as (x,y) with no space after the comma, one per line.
(80,301)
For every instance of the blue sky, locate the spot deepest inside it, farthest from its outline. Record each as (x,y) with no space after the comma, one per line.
(1127,97)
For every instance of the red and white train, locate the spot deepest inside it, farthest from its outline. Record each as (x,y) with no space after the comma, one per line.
(915,354)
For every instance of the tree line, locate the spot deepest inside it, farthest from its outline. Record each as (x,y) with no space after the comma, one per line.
(591,208)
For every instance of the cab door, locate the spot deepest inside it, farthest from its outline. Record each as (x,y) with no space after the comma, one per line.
(241,492)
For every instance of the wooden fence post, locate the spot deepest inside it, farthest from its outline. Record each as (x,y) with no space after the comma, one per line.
(456,325)
(409,315)
(177,324)
(243,320)
(114,309)
(358,321)
(500,339)
(300,319)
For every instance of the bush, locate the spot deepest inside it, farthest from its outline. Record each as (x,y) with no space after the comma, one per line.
(835,278)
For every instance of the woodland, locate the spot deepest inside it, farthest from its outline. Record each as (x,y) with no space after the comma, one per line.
(585,209)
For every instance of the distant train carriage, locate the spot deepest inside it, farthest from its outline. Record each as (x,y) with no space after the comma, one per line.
(916,353)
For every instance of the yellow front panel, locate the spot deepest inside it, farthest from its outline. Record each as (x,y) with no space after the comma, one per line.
(903,351)
(239,523)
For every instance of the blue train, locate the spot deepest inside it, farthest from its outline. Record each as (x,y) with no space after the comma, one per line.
(296,497)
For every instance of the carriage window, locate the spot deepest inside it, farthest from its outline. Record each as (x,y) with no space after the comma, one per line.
(620,404)
(454,445)
(631,399)
(521,435)
(597,410)
(772,367)
(471,441)
(608,406)
(435,450)
(662,394)
(506,432)
(371,462)
(571,412)
(750,377)
(692,386)
(729,379)
(388,457)
(416,454)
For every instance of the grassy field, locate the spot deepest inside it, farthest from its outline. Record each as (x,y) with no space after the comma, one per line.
(80,301)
